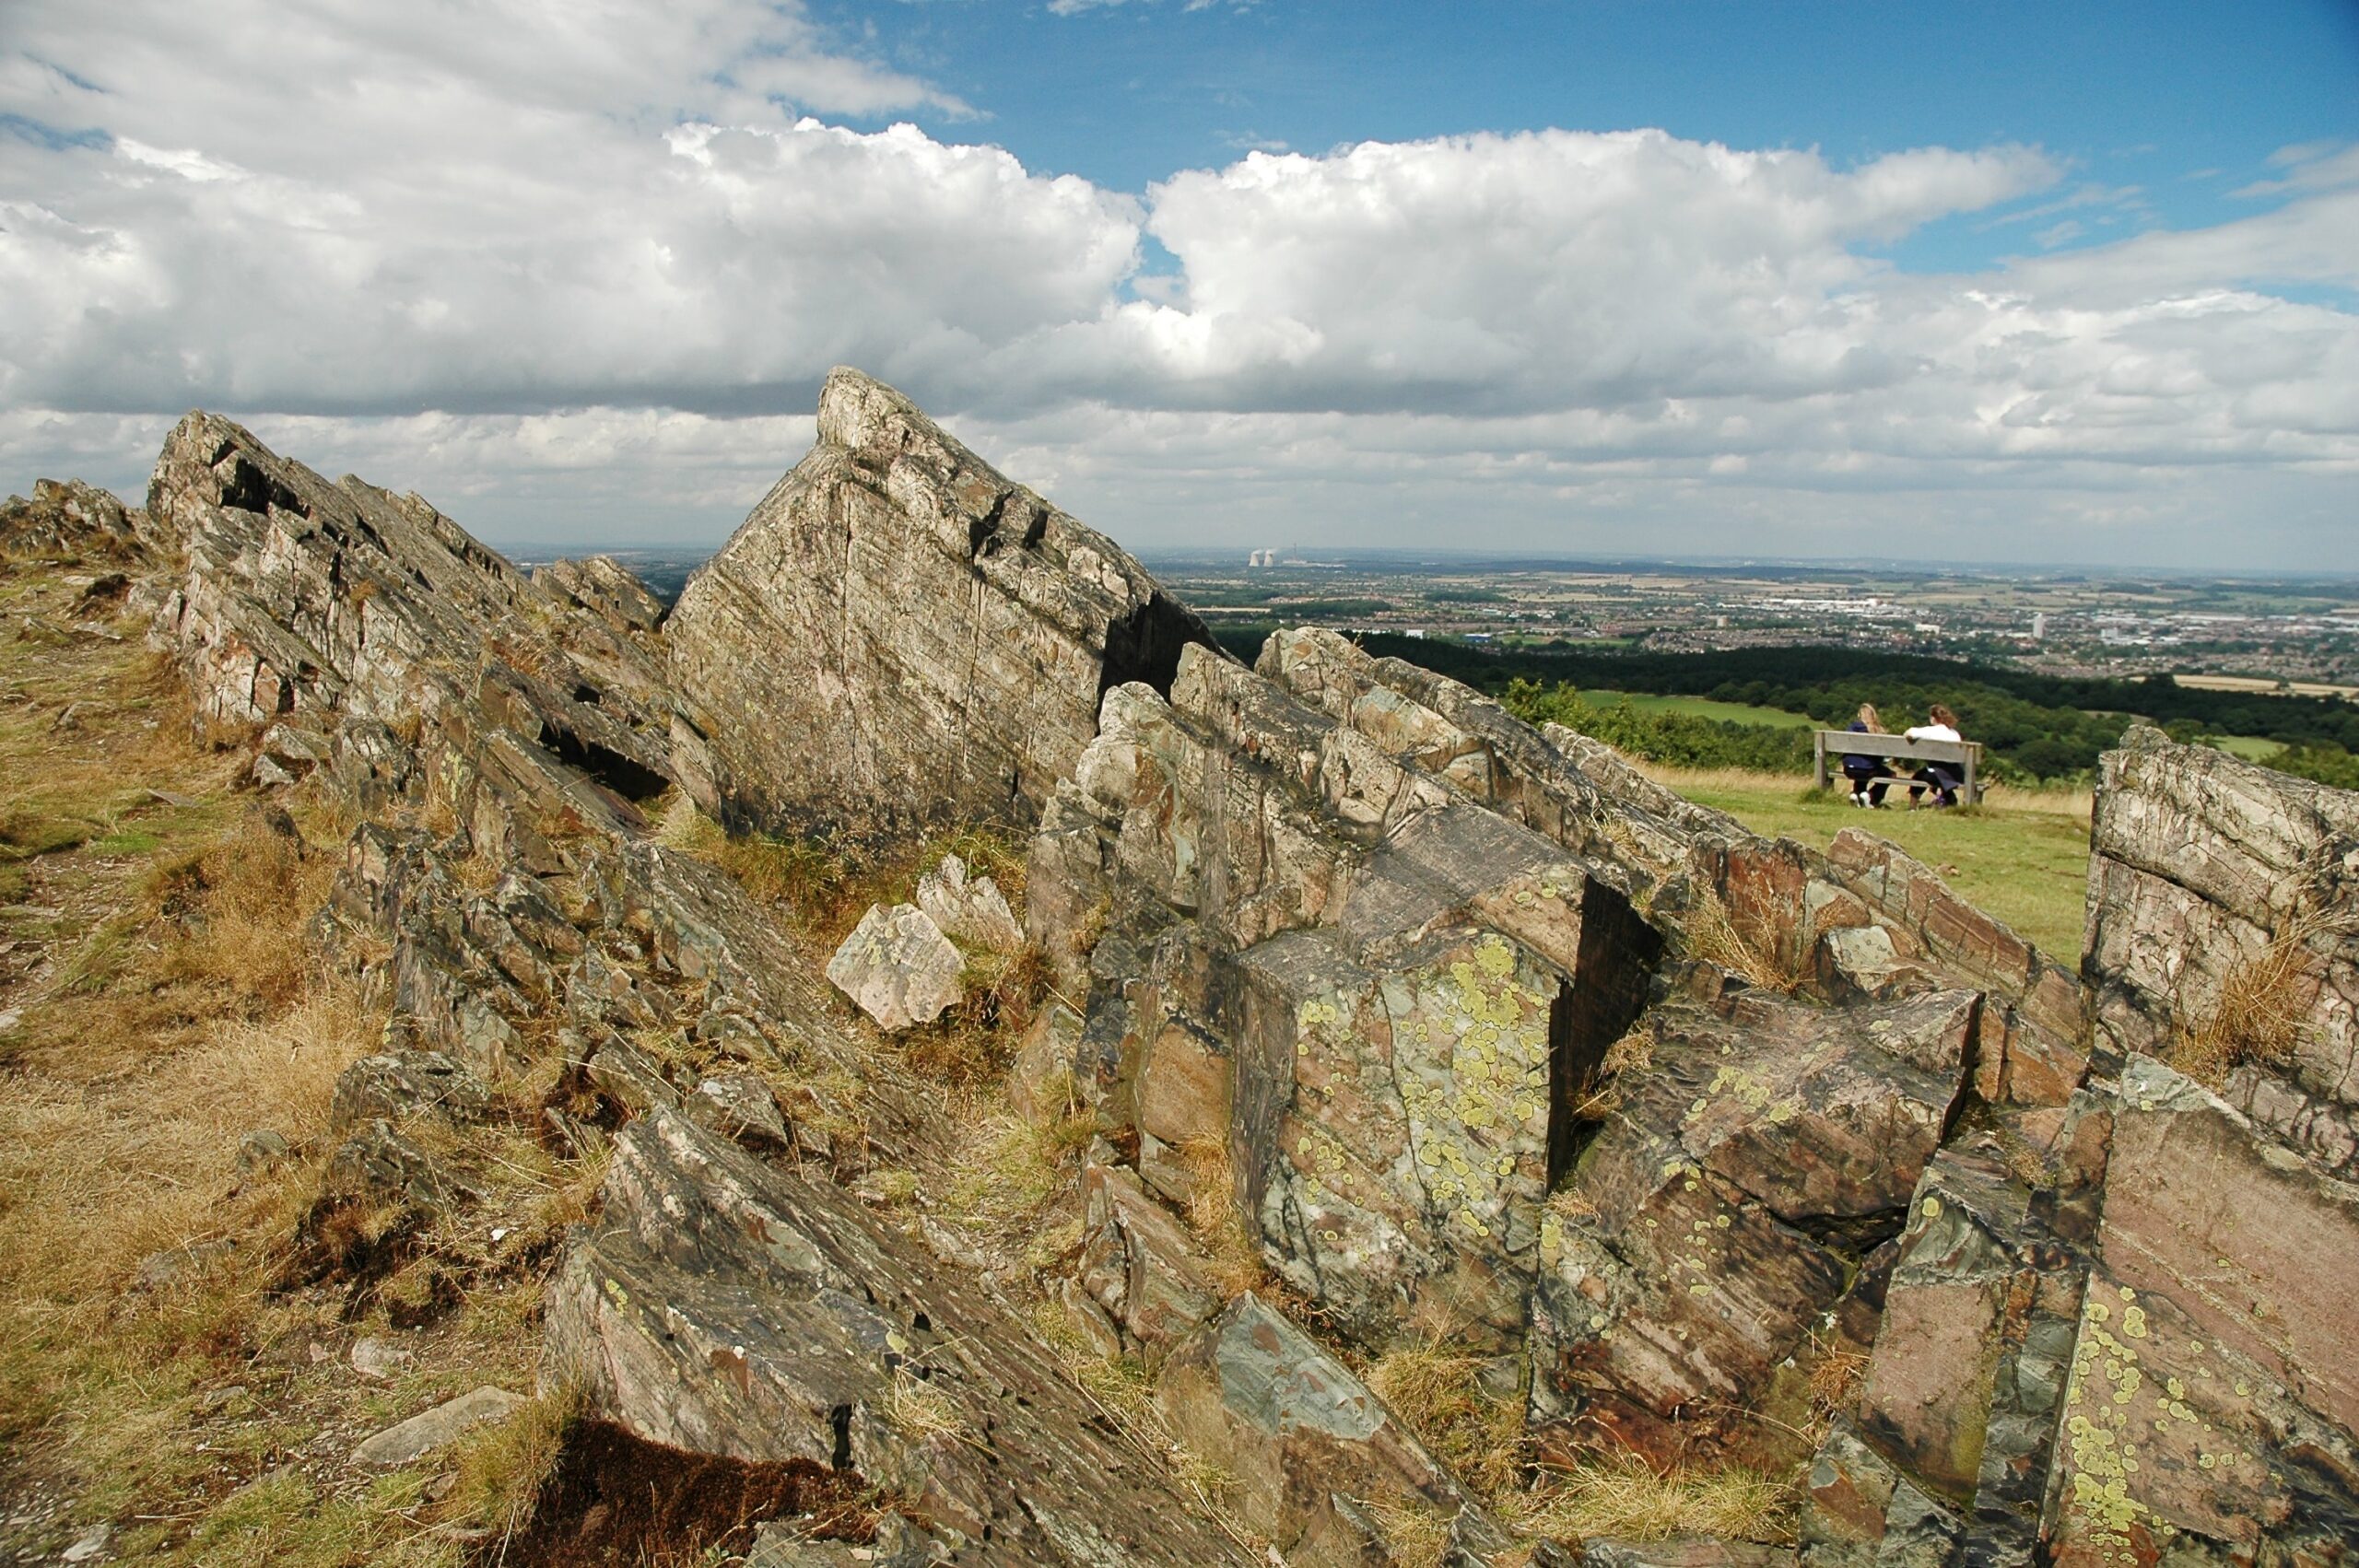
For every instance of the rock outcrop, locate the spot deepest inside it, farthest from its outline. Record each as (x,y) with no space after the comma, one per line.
(509,900)
(340,616)
(1482,1035)
(2223,921)
(2133,1348)
(733,1307)
(900,637)
(69,520)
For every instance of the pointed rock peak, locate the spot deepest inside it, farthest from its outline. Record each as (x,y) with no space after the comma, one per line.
(862,414)
(900,636)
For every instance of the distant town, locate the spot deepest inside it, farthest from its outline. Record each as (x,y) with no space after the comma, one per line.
(2283,634)
(2267,634)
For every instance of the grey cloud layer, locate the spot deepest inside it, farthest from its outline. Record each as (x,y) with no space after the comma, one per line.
(483,245)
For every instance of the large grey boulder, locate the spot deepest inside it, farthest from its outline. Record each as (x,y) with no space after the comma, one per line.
(968,909)
(899,635)
(897,967)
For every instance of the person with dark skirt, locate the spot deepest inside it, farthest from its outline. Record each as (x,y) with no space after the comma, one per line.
(1860,770)
(1942,778)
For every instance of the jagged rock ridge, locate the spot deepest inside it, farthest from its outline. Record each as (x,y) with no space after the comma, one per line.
(1451,1000)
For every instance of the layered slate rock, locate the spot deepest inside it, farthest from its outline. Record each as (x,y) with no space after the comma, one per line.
(2134,1347)
(1864,919)
(1734,1196)
(2223,901)
(899,636)
(733,1307)
(1391,982)
(1310,1445)
(70,519)
(1953,1436)
(341,610)
(2213,1398)
(1381,937)
(503,893)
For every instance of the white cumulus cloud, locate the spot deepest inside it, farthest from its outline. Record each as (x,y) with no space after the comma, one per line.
(582,268)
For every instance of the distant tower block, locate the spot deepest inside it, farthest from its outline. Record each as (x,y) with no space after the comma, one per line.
(2039,627)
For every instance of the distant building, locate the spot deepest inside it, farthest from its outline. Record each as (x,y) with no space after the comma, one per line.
(2039,627)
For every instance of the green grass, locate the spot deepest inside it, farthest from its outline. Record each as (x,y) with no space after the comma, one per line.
(1700,708)
(2022,857)
(2252,748)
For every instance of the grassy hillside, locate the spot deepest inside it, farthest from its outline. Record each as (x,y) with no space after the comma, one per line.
(2024,856)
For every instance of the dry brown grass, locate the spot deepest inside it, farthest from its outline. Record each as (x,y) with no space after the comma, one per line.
(95,1180)
(172,1003)
(920,1411)
(1835,1381)
(1417,1532)
(1233,1263)
(1716,935)
(1007,1172)
(2265,1001)
(1439,1395)
(1624,1497)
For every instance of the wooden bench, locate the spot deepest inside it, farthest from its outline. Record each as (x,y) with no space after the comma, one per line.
(1964,756)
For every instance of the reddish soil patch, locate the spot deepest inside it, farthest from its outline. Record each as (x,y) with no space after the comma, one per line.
(615,1498)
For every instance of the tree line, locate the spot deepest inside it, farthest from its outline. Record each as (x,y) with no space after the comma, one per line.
(2032,726)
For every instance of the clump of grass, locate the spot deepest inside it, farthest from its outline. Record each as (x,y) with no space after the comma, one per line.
(235,908)
(1009,1170)
(2265,1001)
(501,1469)
(1624,1497)
(1717,936)
(975,1040)
(919,1411)
(1439,1395)
(1233,1263)
(1572,1203)
(1415,1532)
(1835,1381)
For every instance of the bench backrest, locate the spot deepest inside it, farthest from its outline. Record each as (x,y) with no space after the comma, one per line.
(1850,742)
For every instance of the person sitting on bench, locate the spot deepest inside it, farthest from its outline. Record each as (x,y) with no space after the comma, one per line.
(1941,778)
(1860,769)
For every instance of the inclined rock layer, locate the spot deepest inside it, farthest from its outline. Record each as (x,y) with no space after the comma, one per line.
(503,892)
(1482,1034)
(898,635)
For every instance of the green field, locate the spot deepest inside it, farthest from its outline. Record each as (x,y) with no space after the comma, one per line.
(1700,708)
(2252,748)
(2022,857)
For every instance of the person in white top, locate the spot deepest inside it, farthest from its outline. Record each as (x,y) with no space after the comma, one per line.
(1941,778)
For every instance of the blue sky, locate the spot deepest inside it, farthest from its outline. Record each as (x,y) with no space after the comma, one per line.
(1990,281)
(2185,101)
